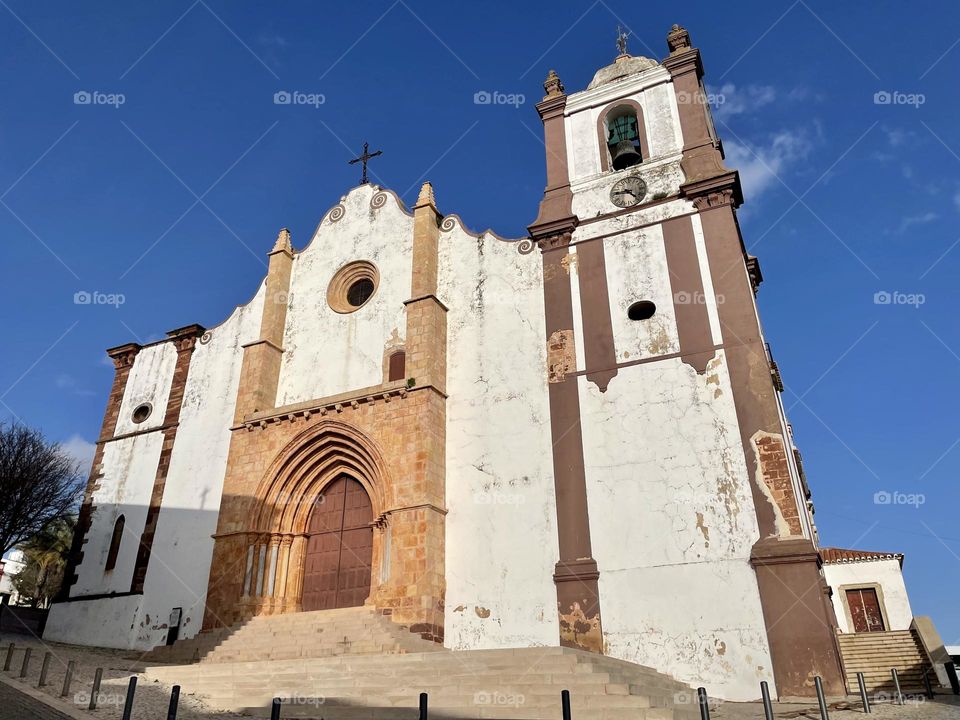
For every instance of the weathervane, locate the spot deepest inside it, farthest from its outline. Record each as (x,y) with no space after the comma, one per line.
(364,158)
(621,40)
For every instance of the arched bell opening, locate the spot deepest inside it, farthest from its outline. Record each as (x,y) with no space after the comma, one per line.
(623,136)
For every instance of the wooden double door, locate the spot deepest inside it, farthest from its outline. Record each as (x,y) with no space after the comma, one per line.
(339,547)
(865,610)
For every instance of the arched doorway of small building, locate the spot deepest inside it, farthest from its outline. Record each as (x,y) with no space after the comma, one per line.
(339,551)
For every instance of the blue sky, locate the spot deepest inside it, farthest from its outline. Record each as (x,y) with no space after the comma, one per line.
(172,198)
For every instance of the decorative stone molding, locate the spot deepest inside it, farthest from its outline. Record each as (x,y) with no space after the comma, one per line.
(678,39)
(552,85)
(335,403)
(344,279)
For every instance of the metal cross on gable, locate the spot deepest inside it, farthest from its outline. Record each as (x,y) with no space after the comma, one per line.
(364,158)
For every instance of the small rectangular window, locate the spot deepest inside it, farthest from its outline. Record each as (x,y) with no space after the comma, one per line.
(398,366)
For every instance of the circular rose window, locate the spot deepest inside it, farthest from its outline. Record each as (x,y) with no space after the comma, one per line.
(352,286)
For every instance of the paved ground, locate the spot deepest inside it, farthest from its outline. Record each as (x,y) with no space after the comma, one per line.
(18,697)
(14,705)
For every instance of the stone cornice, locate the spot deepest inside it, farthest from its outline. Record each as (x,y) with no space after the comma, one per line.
(716,191)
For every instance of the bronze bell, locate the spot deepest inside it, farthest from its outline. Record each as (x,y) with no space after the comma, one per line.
(625,155)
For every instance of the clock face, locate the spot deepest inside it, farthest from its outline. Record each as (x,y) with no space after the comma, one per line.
(628,191)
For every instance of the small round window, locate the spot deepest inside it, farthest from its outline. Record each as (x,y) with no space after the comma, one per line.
(360,292)
(142,412)
(352,286)
(642,310)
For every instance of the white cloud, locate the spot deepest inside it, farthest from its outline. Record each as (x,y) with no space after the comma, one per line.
(911,220)
(760,166)
(729,100)
(81,450)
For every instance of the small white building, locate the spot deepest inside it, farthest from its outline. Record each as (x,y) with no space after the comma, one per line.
(9,567)
(869,594)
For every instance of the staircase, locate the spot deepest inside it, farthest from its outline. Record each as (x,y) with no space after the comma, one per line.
(353,664)
(324,633)
(875,653)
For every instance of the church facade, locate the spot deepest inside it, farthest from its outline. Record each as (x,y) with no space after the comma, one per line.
(571,438)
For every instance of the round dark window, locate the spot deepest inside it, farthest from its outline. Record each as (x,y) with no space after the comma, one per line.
(142,412)
(360,292)
(642,310)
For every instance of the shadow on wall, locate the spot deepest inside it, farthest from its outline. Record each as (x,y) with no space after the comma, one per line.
(328,564)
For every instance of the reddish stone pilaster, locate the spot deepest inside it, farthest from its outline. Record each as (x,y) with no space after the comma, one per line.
(575,575)
(185,340)
(260,371)
(800,625)
(123,358)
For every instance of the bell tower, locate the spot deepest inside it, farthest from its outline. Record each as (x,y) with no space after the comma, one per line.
(673,467)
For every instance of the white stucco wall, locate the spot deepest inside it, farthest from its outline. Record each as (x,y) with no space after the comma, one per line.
(501,538)
(327,352)
(183,545)
(148,382)
(894,602)
(180,559)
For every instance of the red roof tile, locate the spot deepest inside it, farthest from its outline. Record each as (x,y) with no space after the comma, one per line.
(839,555)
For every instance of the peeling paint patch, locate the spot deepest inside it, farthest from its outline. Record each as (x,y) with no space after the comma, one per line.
(767,483)
(578,630)
(460,608)
(481,612)
(569,262)
(704,530)
(721,647)
(561,355)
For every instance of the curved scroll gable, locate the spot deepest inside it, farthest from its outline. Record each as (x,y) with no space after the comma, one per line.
(335,214)
(452,221)
(310,462)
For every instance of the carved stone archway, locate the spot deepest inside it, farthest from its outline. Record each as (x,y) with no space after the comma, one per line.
(284,501)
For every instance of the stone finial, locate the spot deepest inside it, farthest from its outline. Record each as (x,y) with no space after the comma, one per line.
(678,39)
(552,84)
(283,242)
(425,198)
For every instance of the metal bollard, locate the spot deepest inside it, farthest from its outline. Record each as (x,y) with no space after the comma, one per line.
(926,684)
(704,703)
(767,705)
(26,662)
(565,704)
(68,678)
(821,701)
(174,701)
(6,663)
(44,668)
(128,703)
(275,709)
(95,692)
(423,706)
(863,693)
(896,685)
